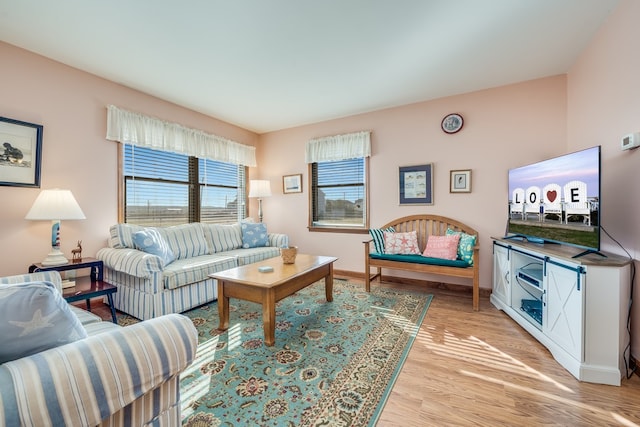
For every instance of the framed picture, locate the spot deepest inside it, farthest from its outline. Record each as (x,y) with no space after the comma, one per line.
(452,123)
(460,181)
(416,185)
(292,183)
(20,153)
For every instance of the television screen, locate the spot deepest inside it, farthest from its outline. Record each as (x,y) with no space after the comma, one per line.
(557,200)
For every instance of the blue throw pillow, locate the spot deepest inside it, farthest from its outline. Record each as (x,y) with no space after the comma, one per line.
(150,241)
(254,235)
(465,246)
(377,234)
(34,317)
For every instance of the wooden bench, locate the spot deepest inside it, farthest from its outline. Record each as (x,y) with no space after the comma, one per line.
(425,226)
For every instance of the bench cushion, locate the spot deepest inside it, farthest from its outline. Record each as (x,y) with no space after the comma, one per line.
(419,259)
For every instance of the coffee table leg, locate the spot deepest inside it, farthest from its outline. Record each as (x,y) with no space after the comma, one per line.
(328,284)
(269,317)
(223,307)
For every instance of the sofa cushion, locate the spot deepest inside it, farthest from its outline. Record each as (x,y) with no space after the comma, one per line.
(183,272)
(251,255)
(221,237)
(186,240)
(254,235)
(419,259)
(150,241)
(34,317)
(121,235)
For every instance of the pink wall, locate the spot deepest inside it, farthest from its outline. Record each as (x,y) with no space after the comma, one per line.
(70,104)
(604,105)
(504,127)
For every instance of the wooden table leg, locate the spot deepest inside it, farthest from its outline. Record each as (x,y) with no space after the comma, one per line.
(269,317)
(223,307)
(328,284)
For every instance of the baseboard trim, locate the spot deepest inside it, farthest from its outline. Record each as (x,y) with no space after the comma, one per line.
(346,274)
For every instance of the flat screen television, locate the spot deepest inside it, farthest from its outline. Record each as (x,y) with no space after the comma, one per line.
(557,201)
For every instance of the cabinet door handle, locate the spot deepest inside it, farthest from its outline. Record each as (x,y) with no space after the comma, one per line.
(506,277)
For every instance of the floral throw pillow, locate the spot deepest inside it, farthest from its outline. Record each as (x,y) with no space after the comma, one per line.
(401,243)
(445,247)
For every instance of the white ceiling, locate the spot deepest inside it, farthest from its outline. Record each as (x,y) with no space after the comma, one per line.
(266,65)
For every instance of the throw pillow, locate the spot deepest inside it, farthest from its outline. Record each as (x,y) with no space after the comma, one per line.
(377,234)
(465,247)
(445,247)
(254,235)
(34,317)
(150,241)
(401,243)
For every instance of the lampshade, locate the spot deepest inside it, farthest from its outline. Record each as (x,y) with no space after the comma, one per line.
(259,188)
(55,204)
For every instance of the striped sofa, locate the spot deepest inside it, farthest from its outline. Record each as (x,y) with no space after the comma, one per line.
(115,377)
(147,288)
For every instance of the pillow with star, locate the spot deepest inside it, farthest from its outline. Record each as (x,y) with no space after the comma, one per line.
(35,317)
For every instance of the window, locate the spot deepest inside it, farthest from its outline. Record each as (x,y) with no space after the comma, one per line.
(163,188)
(339,198)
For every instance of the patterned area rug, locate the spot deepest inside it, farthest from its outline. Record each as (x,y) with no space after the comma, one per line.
(333,364)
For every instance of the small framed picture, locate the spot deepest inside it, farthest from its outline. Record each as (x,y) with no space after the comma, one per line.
(460,181)
(452,123)
(292,184)
(20,153)
(416,184)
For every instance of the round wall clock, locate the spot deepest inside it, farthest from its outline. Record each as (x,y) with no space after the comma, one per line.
(452,123)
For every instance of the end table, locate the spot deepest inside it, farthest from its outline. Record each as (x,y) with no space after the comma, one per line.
(85,287)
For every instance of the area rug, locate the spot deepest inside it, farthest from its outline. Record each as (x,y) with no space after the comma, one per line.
(333,363)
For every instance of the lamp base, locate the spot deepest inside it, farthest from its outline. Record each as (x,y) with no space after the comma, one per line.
(55,257)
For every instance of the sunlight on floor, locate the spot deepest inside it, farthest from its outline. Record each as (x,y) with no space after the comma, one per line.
(472,349)
(550,396)
(206,353)
(477,352)
(401,321)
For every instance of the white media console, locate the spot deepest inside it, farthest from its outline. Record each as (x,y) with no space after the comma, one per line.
(576,307)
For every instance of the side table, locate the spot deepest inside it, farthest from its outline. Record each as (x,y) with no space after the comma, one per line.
(86,287)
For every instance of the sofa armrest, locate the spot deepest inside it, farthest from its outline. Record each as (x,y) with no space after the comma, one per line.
(278,240)
(86,381)
(131,261)
(52,276)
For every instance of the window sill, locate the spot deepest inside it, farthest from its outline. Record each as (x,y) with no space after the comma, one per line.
(345,230)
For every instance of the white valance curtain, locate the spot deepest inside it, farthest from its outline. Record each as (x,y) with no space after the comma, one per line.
(339,147)
(137,129)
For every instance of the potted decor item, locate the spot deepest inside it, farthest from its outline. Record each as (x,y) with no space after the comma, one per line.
(289,254)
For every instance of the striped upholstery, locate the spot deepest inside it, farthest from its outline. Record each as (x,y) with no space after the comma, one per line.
(134,262)
(222,238)
(135,295)
(146,289)
(41,276)
(251,255)
(121,235)
(191,270)
(120,377)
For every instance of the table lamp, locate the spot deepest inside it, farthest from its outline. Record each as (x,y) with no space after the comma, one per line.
(259,188)
(55,205)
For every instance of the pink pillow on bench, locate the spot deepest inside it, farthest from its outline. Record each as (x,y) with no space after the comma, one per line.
(445,247)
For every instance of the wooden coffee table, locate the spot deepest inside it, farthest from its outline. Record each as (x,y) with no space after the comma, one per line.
(247,283)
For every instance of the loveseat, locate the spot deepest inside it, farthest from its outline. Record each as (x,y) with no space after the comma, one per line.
(166,269)
(77,370)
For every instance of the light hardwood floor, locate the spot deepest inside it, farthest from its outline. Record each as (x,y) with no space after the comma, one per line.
(471,368)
